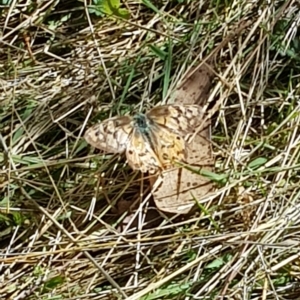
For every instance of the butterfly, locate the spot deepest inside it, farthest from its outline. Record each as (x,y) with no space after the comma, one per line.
(152,141)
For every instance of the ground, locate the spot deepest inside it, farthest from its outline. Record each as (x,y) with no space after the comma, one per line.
(73,222)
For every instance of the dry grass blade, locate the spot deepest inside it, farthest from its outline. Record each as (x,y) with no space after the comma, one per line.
(76,225)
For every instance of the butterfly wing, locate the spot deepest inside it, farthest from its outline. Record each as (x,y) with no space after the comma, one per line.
(169,146)
(171,127)
(180,119)
(140,154)
(112,135)
(117,135)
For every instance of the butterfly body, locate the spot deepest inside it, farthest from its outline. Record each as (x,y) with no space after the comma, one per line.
(151,141)
(142,123)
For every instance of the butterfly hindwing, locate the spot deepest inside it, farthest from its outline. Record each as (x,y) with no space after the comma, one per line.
(168,145)
(140,155)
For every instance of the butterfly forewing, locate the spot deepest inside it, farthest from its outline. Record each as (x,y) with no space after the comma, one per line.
(112,135)
(182,119)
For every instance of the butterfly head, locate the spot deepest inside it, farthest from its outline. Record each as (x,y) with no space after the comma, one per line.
(142,123)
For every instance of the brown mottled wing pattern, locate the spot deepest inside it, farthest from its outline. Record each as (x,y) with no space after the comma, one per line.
(170,147)
(118,135)
(153,144)
(180,119)
(175,190)
(163,143)
(172,124)
(112,135)
(140,155)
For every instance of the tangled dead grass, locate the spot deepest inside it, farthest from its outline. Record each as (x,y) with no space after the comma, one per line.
(63,208)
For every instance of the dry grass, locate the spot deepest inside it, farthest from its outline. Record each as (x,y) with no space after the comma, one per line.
(62,234)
